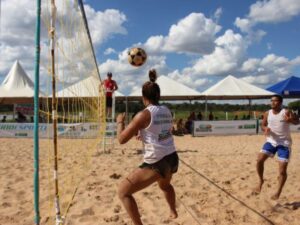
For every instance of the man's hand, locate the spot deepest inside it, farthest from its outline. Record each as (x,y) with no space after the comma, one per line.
(288,117)
(291,117)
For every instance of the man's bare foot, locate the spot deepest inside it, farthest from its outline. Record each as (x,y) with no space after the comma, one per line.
(257,190)
(173,214)
(275,196)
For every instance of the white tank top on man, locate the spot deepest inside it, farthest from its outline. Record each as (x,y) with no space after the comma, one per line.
(280,129)
(157,137)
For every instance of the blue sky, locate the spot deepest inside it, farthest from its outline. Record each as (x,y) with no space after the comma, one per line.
(194,42)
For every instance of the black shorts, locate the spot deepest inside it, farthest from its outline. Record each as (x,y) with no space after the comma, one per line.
(163,166)
(108,101)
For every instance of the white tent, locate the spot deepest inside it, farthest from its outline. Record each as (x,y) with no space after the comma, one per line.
(233,88)
(17,86)
(88,87)
(170,90)
(16,83)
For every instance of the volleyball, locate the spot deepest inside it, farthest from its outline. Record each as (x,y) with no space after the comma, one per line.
(137,56)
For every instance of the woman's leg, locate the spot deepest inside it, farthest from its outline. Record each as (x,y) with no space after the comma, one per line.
(169,193)
(136,180)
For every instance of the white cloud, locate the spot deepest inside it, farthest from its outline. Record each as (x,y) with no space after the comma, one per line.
(189,80)
(250,65)
(244,24)
(218,14)
(105,24)
(17,39)
(155,44)
(274,11)
(230,50)
(295,61)
(193,34)
(259,80)
(268,70)
(269,11)
(274,60)
(109,51)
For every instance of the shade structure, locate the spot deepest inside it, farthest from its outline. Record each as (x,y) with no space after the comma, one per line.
(289,87)
(85,88)
(17,87)
(170,90)
(232,88)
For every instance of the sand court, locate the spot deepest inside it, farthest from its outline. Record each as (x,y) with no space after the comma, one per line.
(213,185)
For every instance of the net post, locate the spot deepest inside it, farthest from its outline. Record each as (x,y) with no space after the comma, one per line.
(36,113)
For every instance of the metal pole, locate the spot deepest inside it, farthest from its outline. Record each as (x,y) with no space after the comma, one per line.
(126,108)
(113,111)
(250,102)
(206,108)
(36,114)
(54,112)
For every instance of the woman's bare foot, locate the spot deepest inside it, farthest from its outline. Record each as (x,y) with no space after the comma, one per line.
(173,214)
(275,196)
(257,190)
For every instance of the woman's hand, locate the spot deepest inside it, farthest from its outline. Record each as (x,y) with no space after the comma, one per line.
(138,136)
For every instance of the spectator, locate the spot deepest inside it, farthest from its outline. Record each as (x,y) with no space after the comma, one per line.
(180,128)
(20,118)
(192,116)
(3,119)
(210,116)
(199,116)
(188,125)
(236,117)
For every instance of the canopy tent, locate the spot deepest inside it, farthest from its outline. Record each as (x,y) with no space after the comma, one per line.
(17,87)
(88,87)
(170,90)
(233,88)
(289,87)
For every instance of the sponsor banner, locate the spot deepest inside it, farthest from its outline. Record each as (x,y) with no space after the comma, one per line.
(295,128)
(76,130)
(26,109)
(204,128)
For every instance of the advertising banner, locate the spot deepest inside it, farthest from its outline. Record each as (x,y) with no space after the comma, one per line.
(204,128)
(26,109)
(76,130)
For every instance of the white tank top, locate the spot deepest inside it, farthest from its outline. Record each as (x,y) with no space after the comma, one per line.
(157,137)
(280,129)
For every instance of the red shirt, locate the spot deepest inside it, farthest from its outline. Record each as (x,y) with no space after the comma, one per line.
(109,86)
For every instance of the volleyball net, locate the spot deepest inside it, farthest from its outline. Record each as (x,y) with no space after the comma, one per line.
(72,112)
